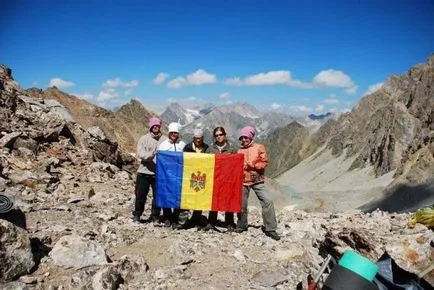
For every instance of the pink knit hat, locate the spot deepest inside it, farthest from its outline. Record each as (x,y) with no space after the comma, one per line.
(248,132)
(154,122)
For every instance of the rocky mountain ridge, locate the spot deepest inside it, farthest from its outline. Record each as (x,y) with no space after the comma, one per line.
(390,129)
(382,151)
(126,125)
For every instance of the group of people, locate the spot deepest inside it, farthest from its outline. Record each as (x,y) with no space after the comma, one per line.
(255,162)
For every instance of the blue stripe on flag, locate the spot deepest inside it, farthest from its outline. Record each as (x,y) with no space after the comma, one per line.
(169,179)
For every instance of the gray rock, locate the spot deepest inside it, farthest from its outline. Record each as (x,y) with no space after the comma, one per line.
(75,199)
(16,256)
(58,109)
(97,133)
(76,252)
(169,272)
(413,253)
(239,256)
(110,276)
(29,279)
(270,278)
(8,139)
(15,285)
(27,143)
(20,176)
(103,166)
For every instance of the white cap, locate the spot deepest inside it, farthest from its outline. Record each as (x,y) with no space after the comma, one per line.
(198,132)
(174,127)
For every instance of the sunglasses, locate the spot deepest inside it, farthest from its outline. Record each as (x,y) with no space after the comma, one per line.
(218,135)
(244,138)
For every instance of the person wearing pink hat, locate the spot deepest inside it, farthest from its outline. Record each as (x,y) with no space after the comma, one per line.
(255,162)
(146,150)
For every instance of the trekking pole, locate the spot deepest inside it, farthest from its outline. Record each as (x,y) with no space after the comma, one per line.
(312,286)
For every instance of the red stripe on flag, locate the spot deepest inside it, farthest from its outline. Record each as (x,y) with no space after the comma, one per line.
(228,182)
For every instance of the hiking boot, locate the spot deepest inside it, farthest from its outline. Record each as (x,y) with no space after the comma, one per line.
(167,224)
(154,219)
(240,230)
(176,226)
(136,219)
(208,227)
(273,235)
(231,227)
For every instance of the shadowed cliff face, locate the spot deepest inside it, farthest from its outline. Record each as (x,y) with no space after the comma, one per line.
(285,148)
(403,198)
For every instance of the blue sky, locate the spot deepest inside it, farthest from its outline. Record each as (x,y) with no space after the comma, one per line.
(309,57)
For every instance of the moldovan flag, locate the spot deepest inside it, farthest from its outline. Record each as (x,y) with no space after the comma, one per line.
(199,181)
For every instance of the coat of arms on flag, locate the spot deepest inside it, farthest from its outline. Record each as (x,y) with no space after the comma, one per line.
(199,181)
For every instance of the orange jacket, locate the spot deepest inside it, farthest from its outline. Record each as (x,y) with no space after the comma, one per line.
(255,162)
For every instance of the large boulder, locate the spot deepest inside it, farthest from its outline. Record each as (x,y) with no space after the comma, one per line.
(16,257)
(109,276)
(77,252)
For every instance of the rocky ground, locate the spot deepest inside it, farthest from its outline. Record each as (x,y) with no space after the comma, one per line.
(71,224)
(82,236)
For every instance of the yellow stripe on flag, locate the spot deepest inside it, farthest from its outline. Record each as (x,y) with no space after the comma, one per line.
(198,181)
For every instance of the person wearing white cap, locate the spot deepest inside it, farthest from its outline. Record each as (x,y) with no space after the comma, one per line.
(146,149)
(173,143)
(196,146)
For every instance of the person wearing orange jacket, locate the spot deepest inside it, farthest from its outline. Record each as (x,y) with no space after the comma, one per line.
(255,162)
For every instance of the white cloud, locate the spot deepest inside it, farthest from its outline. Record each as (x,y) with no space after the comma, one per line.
(176,83)
(300,109)
(106,95)
(373,88)
(199,77)
(128,92)
(84,96)
(280,77)
(351,90)
(269,78)
(346,110)
(319,109)
(60,84)
(225,96)
(236,81)
(331,99)
(276,106)
(333,110)
(160,78)
(335,78)
(117,82)
(191,99)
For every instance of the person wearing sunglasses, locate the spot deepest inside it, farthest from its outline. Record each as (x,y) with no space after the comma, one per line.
(145,179)
(196,146)
(173,143)
(221,145)
(255,162)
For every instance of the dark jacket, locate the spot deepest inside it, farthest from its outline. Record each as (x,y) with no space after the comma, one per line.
(226,149)
(190,148)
